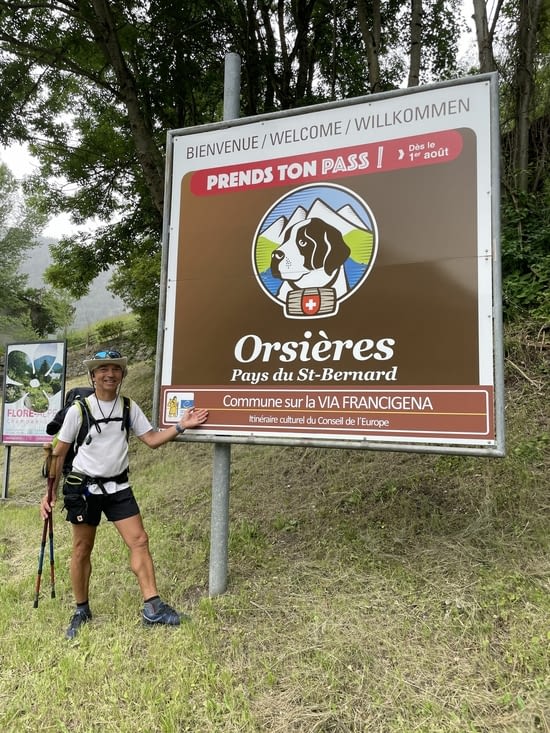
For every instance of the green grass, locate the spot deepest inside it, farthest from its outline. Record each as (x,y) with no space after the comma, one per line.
(368,592)
(104,330)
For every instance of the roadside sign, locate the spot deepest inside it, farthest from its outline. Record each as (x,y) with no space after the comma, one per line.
(331,274)
(34,383)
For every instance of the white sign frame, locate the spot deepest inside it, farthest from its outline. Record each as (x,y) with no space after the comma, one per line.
(394,111)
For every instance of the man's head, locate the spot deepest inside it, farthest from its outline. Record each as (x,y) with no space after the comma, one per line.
(104,359)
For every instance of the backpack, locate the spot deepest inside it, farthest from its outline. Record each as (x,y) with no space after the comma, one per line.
(78,395)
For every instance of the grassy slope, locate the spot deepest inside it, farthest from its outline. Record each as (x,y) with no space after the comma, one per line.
(373,592)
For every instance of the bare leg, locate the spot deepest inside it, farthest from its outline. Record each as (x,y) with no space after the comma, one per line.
(81,565)
(134,535)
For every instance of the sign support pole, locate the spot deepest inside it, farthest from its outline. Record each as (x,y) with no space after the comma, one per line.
(219,523)
(219,520)
(7,455)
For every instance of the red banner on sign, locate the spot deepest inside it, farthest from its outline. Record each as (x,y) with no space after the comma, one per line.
(434,148)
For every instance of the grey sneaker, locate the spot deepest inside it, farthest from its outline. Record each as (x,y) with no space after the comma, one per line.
(164,614)
(80,617)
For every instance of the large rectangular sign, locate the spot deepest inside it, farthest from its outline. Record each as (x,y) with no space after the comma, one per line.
(34,384)
(330,272)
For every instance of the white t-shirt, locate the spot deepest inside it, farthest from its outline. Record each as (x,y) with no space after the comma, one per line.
(104,451)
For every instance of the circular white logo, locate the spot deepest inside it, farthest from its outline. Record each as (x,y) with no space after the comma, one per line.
(314,248)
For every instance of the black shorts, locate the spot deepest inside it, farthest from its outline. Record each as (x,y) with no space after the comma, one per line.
(120,505)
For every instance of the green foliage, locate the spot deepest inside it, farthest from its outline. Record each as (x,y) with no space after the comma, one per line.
(137,283)
(24,312)
(121,329)
(442,27)
(115,76)
(70,256)
(120,76)
(526,257)
(49,310)
(108,330)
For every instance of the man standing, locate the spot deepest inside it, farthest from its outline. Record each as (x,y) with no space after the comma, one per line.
(98,483)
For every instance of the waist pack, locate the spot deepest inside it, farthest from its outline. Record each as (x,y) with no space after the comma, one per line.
(75,486)
(74,497)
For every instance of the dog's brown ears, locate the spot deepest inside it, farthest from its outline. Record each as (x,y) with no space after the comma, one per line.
(335,252)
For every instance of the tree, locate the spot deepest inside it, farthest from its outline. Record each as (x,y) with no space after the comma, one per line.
(521,61)
(526,53)
(99,82)
(24,312)
(16,237)
(485,35)
(515,40)
(416,42)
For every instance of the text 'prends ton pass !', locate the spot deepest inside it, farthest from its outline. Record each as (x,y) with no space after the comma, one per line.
(411,152)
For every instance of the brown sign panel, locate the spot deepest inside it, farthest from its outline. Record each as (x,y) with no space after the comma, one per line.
(330,273)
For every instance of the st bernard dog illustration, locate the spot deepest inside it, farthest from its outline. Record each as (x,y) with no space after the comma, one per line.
(312,254)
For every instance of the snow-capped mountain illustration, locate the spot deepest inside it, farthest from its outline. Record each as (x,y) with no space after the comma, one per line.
(345,220)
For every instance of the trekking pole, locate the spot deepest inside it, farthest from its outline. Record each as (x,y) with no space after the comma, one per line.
(49,466)
(40,562)
(51,481)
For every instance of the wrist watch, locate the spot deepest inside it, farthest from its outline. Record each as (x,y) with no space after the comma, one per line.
(179,429)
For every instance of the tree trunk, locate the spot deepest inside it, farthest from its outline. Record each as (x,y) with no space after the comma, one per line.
(105,32)
(371,39)
(484,37)
(416,43)
(270,52)
(302,50)
(529,12)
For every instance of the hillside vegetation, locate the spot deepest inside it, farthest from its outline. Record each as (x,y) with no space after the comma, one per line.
(368,592)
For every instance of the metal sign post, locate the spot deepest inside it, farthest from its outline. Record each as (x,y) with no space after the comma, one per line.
(221,473)
(7,456)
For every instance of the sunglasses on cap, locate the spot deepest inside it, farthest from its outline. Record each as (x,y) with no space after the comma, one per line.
(107,355)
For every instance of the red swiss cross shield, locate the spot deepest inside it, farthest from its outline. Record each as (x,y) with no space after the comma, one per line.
(311,302)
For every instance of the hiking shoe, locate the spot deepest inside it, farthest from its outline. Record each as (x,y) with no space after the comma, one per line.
(80,617)
(164,614)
